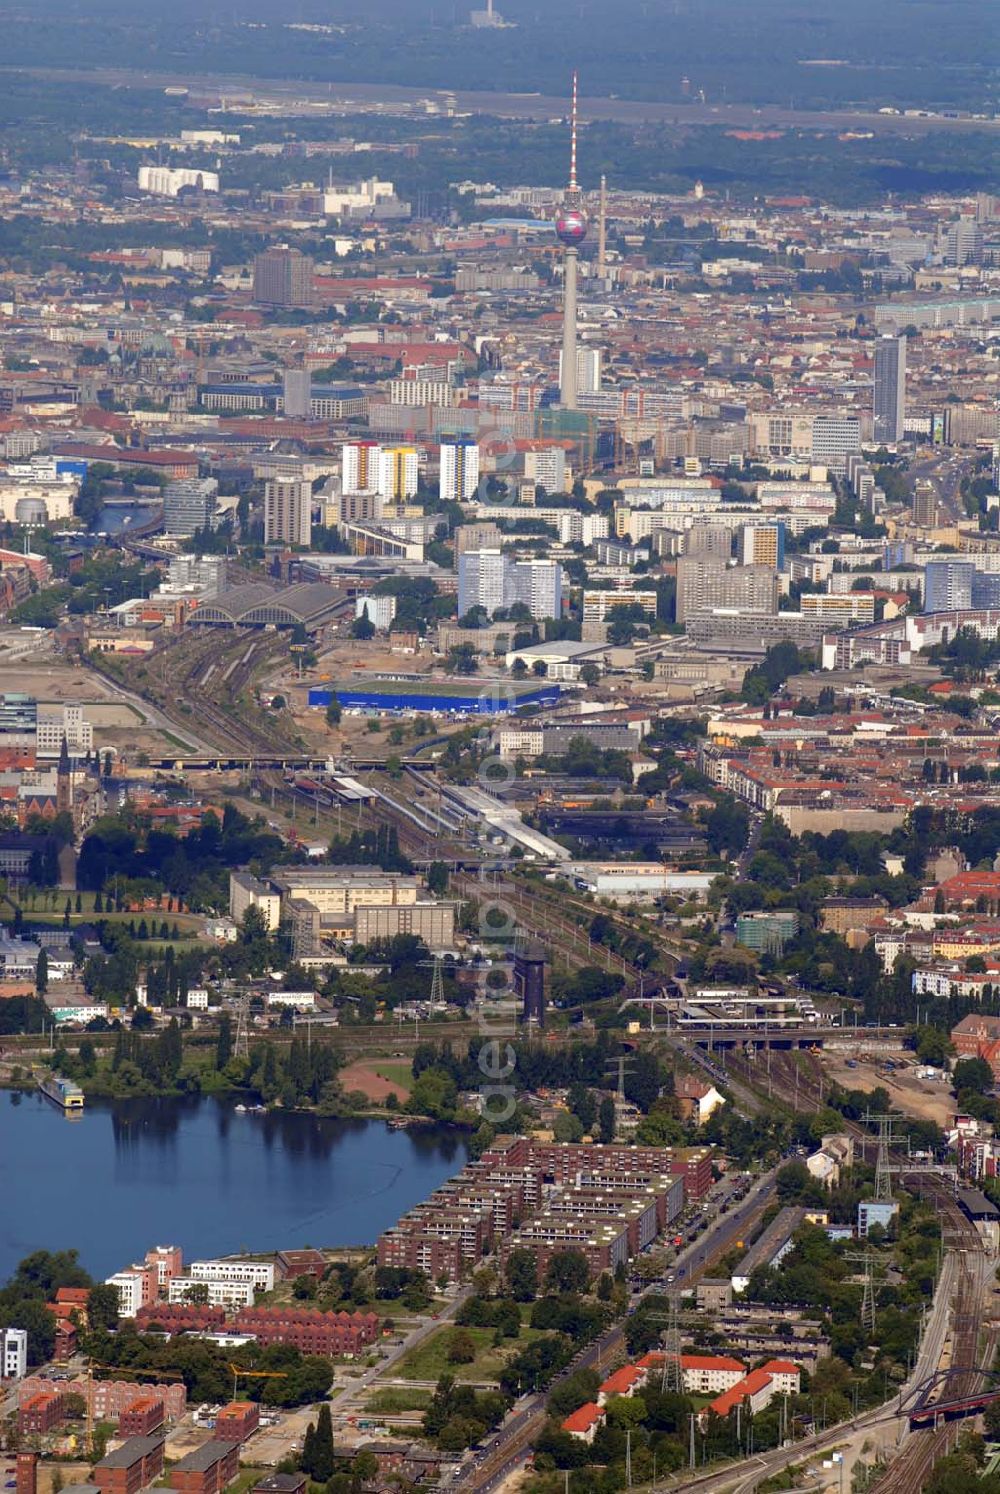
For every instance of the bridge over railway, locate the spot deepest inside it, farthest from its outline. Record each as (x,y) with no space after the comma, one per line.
(923,1412)
(238,762)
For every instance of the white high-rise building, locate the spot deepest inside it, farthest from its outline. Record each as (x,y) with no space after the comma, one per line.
(14,1353)
(546,467)
(287,512)
(834,439)
(379,610)
(482,580)
(588,370)
(538,584)
(397,473)
(963,242)
(190,504)
(459,469)
(889,401)
(57,724)
(360,461)
(490,579)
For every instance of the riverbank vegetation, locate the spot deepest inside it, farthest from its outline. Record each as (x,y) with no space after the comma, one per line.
(25,1297)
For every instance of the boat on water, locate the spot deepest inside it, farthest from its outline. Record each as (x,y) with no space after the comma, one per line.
(240,1109)
(62,1092)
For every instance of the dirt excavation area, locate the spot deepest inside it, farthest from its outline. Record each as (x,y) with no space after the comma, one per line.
(377,1080)
(926,1099)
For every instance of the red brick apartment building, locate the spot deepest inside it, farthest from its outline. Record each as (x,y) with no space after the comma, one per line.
(237,1421)
(108,1399)
(512,1182)
(41,1412)
(208,1469)
(309,1331)
(978,1036)
(294,1263)
(27,1473)
(130,1467)
(181,1317)
(143,1416)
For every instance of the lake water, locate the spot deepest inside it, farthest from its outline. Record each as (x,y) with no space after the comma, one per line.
(136,1173)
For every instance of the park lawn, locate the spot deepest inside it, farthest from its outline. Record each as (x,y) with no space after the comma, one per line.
(396,1400)
(429,1360)
(396,1071)
(245,1480)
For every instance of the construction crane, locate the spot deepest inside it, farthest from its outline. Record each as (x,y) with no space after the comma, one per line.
(249,1374)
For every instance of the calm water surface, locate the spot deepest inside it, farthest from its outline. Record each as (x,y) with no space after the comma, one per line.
(136,1173)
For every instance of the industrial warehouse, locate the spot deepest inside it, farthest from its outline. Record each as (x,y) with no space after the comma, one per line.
(443,697)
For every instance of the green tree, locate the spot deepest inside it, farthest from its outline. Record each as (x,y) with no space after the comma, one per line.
(567,1272)
(434,1094)
(224,1044)
(461,1347)
(362,627)
(102,1308)
(972,1074)
(606,1120)
(320,1447)
(42,973)
(522,1275)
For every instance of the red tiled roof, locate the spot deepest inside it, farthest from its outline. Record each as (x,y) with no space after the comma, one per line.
(711,1362)
(623,1380)
(972,882)
(749,1385)
(582,1420)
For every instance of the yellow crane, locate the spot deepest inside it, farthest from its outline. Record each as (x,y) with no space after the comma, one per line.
(249,1374)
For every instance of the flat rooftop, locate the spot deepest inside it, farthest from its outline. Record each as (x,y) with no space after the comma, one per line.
(460,689)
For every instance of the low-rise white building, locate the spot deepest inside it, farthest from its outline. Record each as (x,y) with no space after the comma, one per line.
(638,879)
(709,1374)
(220,1293)
(259,1273)
(136,1287)
(300,1001)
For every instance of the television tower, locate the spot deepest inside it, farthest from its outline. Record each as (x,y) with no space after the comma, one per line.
(571,230)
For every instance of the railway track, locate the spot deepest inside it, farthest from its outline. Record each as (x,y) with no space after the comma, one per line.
(537,916)
(908,1473)
(213,674)
(204,673)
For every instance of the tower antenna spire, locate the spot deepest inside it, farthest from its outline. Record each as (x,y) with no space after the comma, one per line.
(572,140)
